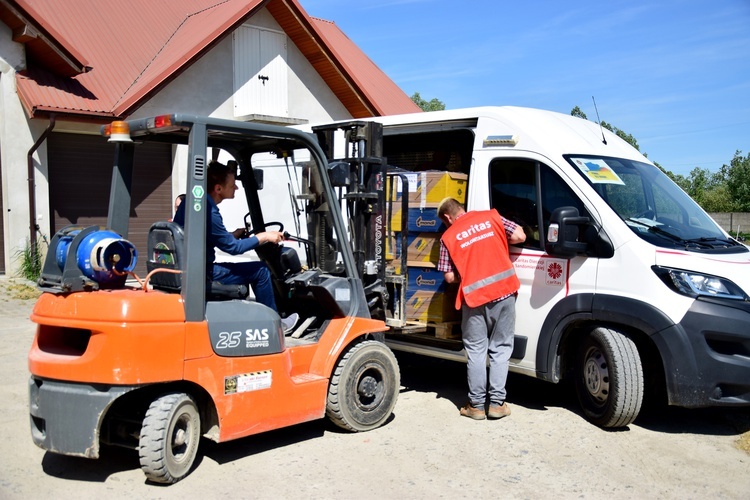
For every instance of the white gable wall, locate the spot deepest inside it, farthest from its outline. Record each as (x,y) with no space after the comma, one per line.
(207,88)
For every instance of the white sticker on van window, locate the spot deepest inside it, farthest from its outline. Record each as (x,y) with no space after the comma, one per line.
(597,171)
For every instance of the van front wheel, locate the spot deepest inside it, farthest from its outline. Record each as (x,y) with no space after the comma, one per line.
(609,378)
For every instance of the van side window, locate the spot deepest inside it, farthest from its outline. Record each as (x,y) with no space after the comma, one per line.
(527,192)
(514,195)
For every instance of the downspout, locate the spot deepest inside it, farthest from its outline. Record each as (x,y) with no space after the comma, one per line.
(33,226)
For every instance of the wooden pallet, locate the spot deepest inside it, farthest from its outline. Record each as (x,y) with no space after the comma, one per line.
(450,330)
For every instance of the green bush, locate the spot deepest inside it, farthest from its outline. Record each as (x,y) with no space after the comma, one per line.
(31,261)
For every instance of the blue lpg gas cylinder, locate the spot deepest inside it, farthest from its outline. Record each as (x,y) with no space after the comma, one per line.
(61,253)
(105,257)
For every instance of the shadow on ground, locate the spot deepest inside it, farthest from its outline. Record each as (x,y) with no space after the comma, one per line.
(446,379)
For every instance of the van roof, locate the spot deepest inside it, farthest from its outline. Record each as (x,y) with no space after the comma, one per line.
(546,132)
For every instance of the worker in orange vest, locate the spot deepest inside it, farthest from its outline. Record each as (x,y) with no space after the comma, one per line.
(474,252)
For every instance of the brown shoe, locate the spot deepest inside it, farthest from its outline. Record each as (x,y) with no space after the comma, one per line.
(498,411)
(473,413)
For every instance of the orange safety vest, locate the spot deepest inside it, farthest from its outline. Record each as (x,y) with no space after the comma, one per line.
(478,248)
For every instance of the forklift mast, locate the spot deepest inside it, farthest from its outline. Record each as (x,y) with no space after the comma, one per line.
(359,178)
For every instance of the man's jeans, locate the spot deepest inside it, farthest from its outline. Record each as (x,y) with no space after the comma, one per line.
(242,273)
(488,330)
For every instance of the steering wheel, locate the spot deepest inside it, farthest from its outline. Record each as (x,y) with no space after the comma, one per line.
(249,231)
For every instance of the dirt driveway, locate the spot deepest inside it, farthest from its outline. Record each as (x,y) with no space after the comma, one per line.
(426,450)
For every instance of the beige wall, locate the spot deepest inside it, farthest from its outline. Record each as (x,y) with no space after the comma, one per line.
(17,136)
(732,221)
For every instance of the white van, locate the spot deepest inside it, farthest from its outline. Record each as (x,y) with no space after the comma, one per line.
(627,285)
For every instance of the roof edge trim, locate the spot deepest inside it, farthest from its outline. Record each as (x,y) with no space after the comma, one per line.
(66,52)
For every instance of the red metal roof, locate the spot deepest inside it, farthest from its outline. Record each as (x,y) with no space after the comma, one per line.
(377,87)
(43,42)
(137,46)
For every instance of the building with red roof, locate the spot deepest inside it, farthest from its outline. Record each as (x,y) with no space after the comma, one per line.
(67,67)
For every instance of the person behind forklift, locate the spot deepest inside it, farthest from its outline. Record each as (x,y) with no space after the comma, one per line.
(177,202)
(222,186)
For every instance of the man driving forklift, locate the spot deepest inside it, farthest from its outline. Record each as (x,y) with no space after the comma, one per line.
(221,183)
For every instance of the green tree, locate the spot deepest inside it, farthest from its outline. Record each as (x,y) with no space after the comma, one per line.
(433,105)
(737,175)
(717,200)
(725,191)
(699,181)
(576,111)
(622,135)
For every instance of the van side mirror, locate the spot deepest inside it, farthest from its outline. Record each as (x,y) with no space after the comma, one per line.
(563,232)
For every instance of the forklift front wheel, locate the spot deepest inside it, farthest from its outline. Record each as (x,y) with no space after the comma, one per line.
(364,387)
(169,438)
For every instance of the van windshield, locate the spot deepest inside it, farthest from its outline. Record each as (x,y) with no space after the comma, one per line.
(653,206)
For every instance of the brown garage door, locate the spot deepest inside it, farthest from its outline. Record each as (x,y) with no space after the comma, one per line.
(80,175)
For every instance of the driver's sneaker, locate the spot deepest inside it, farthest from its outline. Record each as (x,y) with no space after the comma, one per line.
(289,322)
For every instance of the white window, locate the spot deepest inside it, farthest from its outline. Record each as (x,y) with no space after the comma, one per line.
(260,72)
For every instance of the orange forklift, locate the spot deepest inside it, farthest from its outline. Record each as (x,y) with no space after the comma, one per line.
(155,363)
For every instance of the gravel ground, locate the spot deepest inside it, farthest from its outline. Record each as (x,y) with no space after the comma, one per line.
(425,451)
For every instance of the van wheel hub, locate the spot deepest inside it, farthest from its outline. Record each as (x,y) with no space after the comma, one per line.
(596,375)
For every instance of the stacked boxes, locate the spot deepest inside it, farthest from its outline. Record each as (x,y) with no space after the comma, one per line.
(429,299)
(431,187)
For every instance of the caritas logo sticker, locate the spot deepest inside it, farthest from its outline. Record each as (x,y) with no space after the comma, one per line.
(555,272)
(551,272)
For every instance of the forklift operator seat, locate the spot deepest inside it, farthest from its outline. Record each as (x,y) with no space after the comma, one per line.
(166,244)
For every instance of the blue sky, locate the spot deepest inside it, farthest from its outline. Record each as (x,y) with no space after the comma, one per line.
(673,73)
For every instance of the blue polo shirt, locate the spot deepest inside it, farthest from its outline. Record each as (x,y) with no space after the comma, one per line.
(217,235)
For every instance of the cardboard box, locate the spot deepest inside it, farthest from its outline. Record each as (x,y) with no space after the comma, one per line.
(432,307)
(430,186)
(420,220)
(421,247)
(426,279)
(447,330)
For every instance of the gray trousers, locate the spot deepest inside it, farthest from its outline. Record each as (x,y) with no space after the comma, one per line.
(488,331)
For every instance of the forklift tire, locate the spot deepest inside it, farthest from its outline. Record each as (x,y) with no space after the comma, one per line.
(169,438)
(364,387)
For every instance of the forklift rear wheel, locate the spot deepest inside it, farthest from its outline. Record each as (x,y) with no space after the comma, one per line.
(364,387)
(169,438)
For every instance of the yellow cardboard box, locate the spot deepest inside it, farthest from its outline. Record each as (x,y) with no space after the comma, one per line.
(418,219)
(421,247)
(432,307)
(430,186)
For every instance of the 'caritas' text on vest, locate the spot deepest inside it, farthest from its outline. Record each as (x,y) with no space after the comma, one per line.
(475,229)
